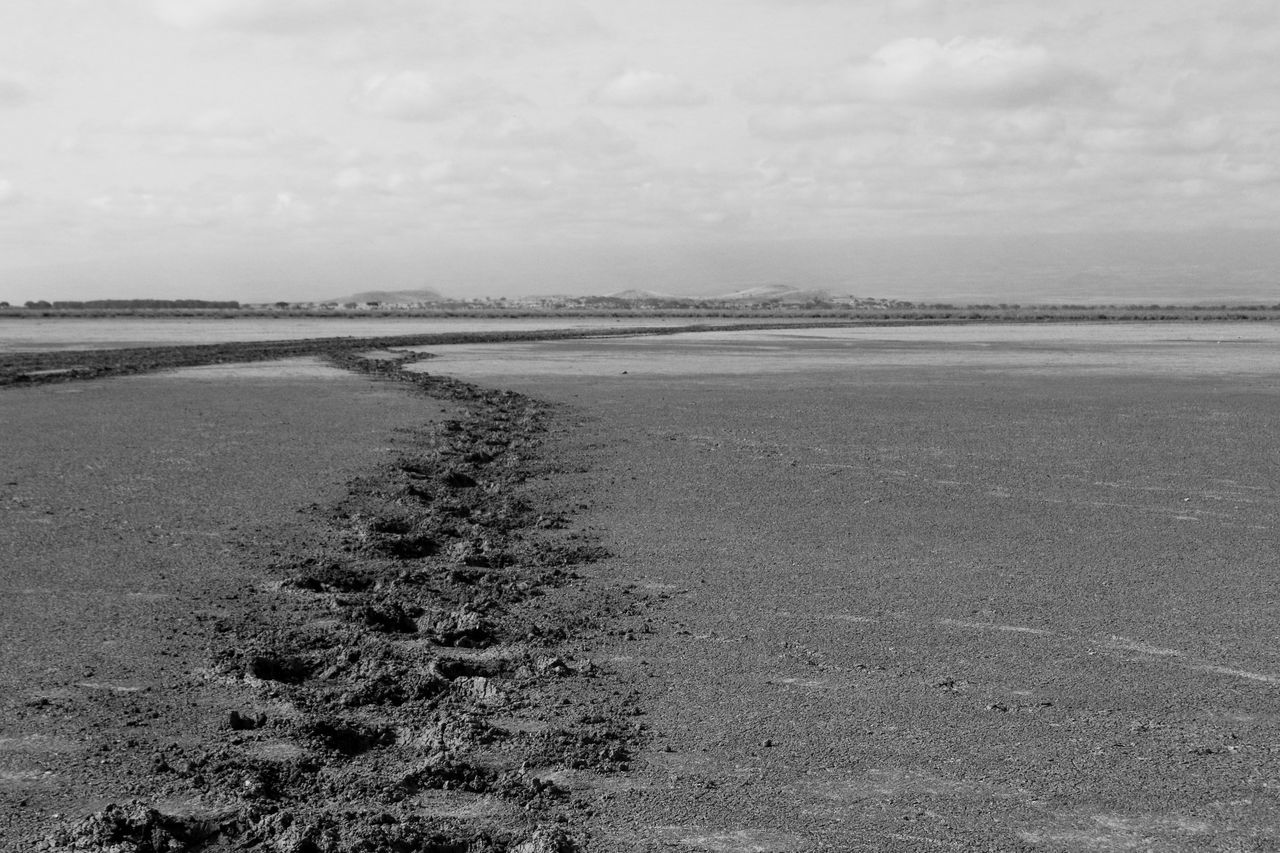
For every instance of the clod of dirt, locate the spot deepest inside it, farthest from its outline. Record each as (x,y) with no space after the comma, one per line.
(243,722)
(136,828)
(287,670)
(402,537)
(348,738)
(444,772)
(330,577)
(461,628)
(389,617)
(553,666)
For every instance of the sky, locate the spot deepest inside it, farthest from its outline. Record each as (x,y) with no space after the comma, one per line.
(306,149)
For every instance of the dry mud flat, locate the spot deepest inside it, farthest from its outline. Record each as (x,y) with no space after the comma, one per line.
(401,667)
(930,595)
(967,597)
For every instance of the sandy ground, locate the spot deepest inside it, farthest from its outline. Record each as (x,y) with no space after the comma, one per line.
(933,607)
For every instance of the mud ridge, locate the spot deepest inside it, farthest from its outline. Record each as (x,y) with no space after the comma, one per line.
(400,681)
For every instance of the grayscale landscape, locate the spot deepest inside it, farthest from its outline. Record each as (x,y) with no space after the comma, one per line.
(989,586)
(603,426)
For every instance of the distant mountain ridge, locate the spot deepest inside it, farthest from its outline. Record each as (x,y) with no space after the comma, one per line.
(778,293)
(634,295)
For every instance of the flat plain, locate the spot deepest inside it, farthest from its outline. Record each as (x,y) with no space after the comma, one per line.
(985,588)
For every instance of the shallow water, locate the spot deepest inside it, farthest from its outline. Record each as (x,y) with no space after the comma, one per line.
(90,333)
(1187,349)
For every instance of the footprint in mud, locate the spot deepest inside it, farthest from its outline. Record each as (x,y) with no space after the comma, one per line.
(455,479)
(348,738)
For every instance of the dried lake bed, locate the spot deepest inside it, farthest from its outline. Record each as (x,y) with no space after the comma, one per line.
(972,588)
(976,588)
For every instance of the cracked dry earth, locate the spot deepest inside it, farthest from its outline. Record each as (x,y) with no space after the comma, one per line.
(403,666)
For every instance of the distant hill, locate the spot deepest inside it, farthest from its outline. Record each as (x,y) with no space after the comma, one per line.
(392,297)
(634,295)
(780,293)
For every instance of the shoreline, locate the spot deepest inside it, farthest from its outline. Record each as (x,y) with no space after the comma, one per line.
(36,367)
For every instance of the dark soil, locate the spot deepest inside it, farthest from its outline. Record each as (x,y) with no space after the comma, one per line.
(411,676)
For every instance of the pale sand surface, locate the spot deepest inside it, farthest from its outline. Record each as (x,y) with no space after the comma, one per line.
(934,607)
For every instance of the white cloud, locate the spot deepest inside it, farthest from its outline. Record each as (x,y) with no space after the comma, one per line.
(13,90)
(643,88)
(418,96)
(960,72)
(811,121)
(217,133)
(395,31)
(9,193)
(387,182)
(264,15)
(586,137)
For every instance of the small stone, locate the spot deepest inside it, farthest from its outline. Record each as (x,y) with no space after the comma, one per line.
(766,743)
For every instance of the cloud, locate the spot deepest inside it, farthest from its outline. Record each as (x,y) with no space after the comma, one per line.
(418,96)
(1202,135)
(217,133)
(642,88)
(963,73)
(279,16)
(394,30)
(812,121)
(13,90)
(9,193)
(585,137)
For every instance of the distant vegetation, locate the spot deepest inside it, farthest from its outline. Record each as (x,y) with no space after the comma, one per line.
(746,305)
(134,304)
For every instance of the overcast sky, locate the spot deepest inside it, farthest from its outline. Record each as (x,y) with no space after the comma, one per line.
(263,149)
